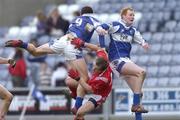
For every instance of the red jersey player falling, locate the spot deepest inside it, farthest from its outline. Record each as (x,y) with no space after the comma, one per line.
(98,86)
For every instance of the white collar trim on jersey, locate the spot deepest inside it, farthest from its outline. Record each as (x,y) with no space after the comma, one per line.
(124,23)
(88,14)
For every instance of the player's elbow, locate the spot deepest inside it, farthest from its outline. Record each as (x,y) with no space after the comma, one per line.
(89,91)
(8,97)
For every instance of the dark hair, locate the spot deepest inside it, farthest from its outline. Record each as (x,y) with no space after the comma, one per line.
(18,54)
(86,9)
(101,63)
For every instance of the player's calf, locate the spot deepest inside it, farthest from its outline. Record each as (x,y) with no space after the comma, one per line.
(78,118)
(74,110)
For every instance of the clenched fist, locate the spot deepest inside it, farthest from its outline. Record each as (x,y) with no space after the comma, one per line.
(12,62)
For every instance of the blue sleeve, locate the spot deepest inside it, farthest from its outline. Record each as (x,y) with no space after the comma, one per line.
(105,26)
(102,41)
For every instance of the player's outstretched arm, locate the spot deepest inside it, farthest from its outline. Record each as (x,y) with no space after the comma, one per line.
(92,46)
(3,60)
(7,61)
(80,43)
(139,39)
(86,87)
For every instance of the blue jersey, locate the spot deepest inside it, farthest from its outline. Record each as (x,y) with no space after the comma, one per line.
(121,38)
(83,27)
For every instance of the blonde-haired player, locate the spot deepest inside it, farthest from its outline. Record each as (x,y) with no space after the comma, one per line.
(122,34)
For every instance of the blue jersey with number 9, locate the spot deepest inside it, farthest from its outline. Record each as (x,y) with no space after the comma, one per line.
(83,27)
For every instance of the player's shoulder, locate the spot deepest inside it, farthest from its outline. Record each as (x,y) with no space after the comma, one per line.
(133,27)
(78,17)
(83,18)
(75,19)
(115,23)
(90,16)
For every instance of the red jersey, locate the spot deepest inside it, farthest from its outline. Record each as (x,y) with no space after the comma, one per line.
(102,83)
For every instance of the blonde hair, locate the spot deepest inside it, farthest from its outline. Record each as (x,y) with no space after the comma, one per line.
(124,10)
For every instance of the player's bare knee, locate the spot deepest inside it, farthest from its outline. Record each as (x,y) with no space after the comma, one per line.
(141,73)
(34,53)
(32,50)
(144,73)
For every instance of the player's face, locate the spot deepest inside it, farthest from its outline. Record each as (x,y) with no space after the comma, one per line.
(95,67)
(129,17)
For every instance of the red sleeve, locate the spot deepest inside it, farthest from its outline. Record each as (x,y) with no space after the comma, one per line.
(98,86)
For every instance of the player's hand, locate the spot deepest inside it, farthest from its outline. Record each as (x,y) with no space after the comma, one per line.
(101,31)
(77,42)
(146,46)
(12,63)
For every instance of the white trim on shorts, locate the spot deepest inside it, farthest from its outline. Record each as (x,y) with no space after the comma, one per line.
(117,63)
(94,96)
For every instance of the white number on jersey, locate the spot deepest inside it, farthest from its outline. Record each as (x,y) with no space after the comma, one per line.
(78,21)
